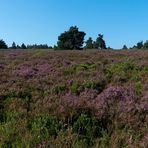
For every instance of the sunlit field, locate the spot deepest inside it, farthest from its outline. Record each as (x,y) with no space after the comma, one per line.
(78,99)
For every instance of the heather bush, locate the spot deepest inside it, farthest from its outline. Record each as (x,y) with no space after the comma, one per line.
(118,106)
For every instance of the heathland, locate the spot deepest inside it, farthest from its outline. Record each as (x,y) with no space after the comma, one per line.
(88,98)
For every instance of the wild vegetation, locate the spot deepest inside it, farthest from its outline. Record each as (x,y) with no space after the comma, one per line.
(73,98)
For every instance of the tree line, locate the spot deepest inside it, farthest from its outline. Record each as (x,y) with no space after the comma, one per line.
(3,45)
(73,39)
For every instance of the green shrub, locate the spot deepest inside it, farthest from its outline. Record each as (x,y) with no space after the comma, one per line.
(76,87)
(9,133)
(122,72)
(99,86)
(88,128)
(43,127)
(77,68)
(69,71)
(104,140)
(139,88)
(59,89)
(90,84)
(86,67)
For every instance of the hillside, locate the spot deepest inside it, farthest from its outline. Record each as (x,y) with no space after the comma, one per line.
(73,98)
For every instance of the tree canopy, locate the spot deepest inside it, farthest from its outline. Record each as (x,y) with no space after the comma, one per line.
(100,42)
(89,44)
(13,46)
(3,45)
(124,47)
(23,46)
(71,39)
(145,45)
(140,45)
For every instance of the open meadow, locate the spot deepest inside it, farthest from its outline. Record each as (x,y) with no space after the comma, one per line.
(73,99)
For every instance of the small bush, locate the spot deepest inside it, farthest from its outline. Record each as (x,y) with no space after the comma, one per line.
(76,87)
(99,86)
(69,71)
(59,89)
(86,67)
(139,88)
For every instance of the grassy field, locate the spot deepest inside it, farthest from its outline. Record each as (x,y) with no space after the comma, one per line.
(73,99)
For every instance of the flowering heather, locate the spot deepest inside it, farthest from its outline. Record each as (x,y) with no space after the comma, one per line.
(73,98)
(117,103)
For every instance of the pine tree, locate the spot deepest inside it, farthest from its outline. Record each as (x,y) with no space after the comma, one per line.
(13,45)
(100,43)
(89,43)
(3,45)
(124,47)
(23,46)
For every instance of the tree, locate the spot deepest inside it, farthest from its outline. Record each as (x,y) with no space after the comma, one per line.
(89,44)
(140,45)
(145,46)
(124,47)
(100,43)
(109,48)
(55,47)
(3,45)
(71,39)
(23,46)
(13,45)
(18,47)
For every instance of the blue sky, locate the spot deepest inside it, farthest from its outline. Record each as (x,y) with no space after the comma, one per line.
(41,21)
